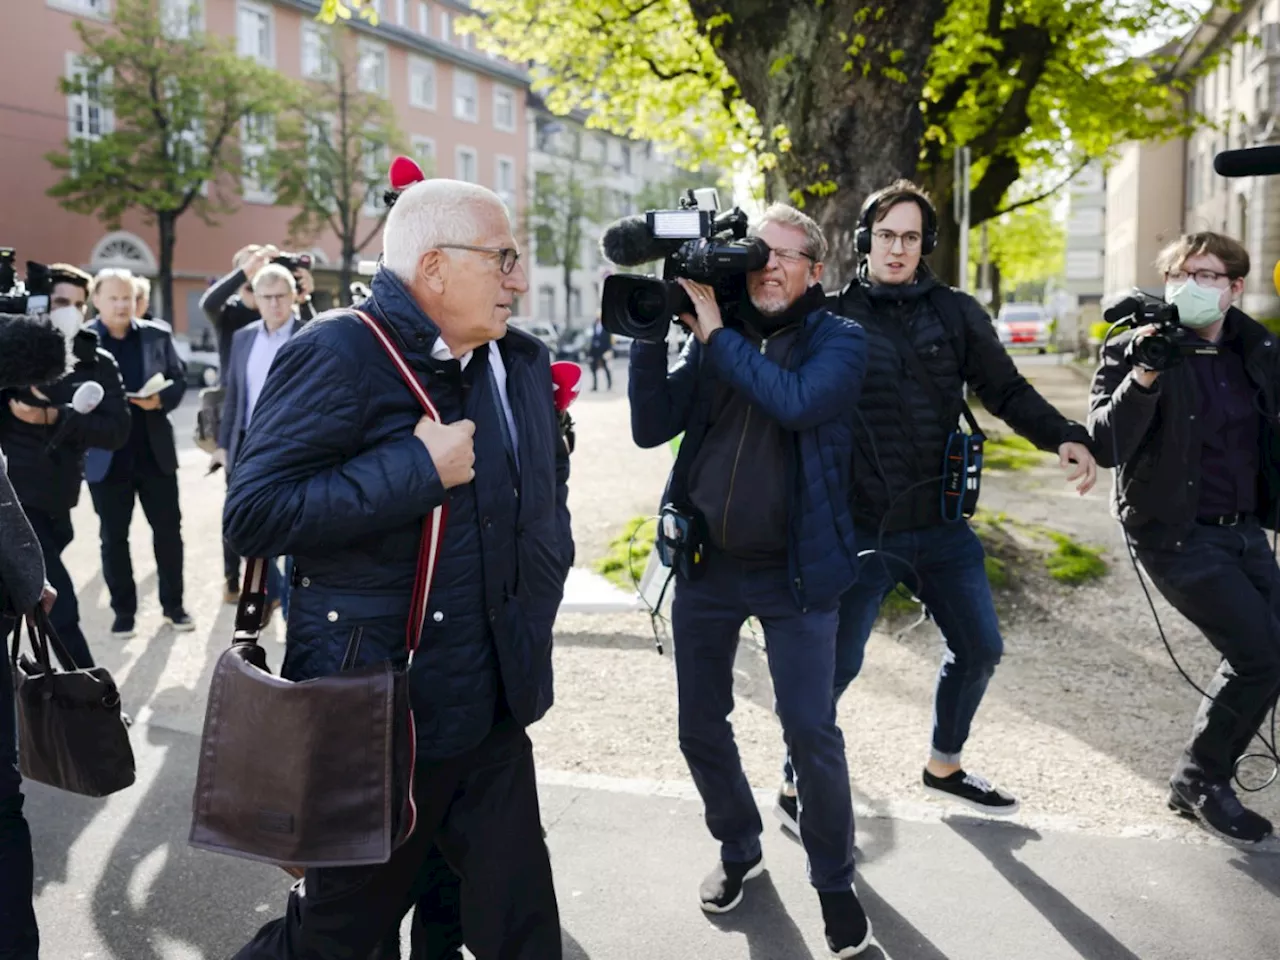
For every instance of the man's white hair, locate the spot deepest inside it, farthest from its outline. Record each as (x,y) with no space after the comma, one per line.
(112,273)
(141,287)
(432,213)
(274,272)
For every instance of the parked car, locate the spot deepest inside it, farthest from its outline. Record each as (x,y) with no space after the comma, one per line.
(544,331)
(202,363)
(1023,325)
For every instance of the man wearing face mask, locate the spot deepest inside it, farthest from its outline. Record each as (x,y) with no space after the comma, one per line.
(1197,454)
(44,435)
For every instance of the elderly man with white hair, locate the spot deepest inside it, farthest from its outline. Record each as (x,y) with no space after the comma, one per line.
(339,468)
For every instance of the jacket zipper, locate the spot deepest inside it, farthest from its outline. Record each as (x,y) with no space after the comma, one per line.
(733,474)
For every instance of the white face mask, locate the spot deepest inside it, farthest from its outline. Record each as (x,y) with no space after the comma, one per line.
(66,320)
(1198,306)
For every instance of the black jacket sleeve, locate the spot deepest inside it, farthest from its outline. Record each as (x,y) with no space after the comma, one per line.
(1121,410)
(661,401)
(993,376)
(216,297)
(107,426)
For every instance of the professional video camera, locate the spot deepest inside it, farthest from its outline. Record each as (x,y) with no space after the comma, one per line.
(18,297)
(696,244)
(1168,344)
(293,262)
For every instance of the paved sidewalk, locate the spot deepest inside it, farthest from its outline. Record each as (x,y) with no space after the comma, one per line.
(118,882)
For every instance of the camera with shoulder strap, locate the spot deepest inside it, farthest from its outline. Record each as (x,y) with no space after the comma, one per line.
(209,418)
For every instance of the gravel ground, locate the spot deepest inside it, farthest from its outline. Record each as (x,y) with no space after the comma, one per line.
(1083,720)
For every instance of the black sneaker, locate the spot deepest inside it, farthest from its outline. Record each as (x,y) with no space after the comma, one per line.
(122,627)
(180,620)
(787,811)
(847,927)
(1180,806)
(971,789)
(721,891)
(1218,808)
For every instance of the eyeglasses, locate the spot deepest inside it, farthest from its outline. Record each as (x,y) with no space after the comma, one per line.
(887,238)
(507,257)
(1204,278)
(787,255)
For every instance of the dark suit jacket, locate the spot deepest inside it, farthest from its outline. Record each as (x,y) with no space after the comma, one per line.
(158,356)
(235,380)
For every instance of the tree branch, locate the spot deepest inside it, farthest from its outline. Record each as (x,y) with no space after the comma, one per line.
(1046,194)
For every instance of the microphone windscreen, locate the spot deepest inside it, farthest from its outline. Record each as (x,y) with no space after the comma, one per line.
(567,380)
(404,172)
(628,243)
(33,352)
(87,397)
(1251,162)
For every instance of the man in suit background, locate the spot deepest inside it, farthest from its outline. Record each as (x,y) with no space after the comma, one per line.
(598,353)
(145,469)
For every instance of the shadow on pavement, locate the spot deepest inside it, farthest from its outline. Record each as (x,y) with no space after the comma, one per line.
(998,844)
(1262,868)
(895,936)
(769,930)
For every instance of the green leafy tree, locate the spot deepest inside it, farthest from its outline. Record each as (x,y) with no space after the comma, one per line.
(832,100)
(346,138)
(165,142)
(569,204)
(1026,248)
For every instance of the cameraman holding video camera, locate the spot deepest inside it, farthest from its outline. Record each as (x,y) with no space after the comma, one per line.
(1188,417)
(761,484)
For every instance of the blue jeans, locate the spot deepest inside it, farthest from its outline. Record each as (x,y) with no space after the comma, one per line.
(707,615)
(943,566)
(19,937)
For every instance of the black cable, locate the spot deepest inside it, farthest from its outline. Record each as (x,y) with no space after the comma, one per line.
(1271,755)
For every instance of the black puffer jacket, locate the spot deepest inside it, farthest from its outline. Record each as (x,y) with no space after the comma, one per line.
(899,434)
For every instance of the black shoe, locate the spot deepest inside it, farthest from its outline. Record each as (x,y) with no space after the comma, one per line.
(847,927)
(1218,808)
(972,790)
(122,627)
(721,891)
(788,813)
(1180,806)
(180,620)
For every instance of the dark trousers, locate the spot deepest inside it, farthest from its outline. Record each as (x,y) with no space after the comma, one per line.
(1225,581)
(113,501)
(597,364)
(944,566)
(55,532)
(481,811)
(707,615)
(230,559)
(19,937)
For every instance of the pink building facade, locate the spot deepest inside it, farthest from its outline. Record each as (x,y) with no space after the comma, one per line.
(462,111)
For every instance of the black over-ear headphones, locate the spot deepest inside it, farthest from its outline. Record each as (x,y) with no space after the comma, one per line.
(862,239)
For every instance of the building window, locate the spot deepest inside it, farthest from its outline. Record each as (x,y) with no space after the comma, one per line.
(424,19)
(424,151)
(504,109)
(546,303)
(465,165)
(254,34)
(575,302)
(505,182)
(446,27)
(373,68)
(87,117)
(466,96)
(180,17)
(626,158)
(257,134)
(402,12)
(100,8)
(468,41)
(422,83)
(545,241)
(376,159)
(317,58)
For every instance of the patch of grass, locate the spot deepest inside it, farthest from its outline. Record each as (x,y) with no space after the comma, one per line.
(1073,562)
(628,552)
(1010,452)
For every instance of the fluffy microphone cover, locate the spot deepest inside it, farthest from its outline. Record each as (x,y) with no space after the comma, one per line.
(32,352)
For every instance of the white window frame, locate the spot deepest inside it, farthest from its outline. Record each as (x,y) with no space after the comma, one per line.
(424,18)
(475,98)
(498,92)
(75,64)
(417,66)
(364,48)
(446,26)
(375,170)
(420,145)
(402,12)
(192,22)
(250,187)
(458,153)
(269,13)
(509,196)
(327,66)
(101,9)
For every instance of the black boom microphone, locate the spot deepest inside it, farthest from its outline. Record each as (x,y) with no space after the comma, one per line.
(1251,162)
(629,243)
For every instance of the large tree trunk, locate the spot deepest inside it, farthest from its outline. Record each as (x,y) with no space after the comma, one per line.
(167,224)
(848,138)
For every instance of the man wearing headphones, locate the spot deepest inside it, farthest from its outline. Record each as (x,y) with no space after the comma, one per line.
(925,341)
